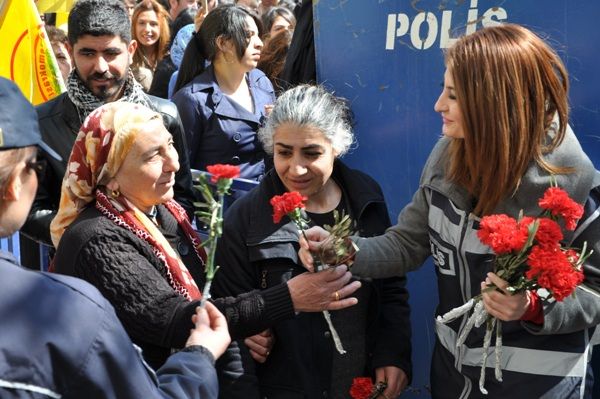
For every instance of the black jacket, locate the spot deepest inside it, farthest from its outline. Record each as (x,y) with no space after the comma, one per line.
(134,280)
(255,253)
(59,125)
(300,63)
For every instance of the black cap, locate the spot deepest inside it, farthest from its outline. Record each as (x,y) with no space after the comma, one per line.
(18,121)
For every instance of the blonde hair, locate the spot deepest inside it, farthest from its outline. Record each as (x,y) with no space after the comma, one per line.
(509,85)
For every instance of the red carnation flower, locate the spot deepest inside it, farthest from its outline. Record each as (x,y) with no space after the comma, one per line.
(286,203)
(362,388)
(221,171)
(553,270)
(501,233)
(558,203)
(549,233)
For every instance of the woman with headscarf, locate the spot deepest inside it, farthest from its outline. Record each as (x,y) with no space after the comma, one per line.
(118,228)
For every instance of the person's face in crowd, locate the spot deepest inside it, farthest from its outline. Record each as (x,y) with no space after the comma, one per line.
(252,54)
(147,175)
(279,25)
(63,58)
(269,3)
(447,105)
(147,29)
(303,158)
(130,5)
(19,194)
(102,63)
(177,6)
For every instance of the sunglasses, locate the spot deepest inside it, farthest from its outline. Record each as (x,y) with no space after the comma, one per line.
(37,165)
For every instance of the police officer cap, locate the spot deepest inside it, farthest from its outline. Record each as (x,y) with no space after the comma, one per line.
(18,121)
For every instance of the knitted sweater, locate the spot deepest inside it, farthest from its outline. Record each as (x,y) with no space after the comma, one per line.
(134,280)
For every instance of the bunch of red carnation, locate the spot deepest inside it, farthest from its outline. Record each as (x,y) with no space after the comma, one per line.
(529,251)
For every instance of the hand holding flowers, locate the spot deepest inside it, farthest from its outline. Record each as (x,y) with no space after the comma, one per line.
(363,388)
(291,204)
(530,265)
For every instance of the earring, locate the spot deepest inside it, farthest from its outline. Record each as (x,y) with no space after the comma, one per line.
(115,193)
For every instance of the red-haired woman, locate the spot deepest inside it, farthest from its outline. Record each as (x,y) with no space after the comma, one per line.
(150,29)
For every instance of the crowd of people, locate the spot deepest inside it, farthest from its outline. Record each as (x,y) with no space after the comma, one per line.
(102,174)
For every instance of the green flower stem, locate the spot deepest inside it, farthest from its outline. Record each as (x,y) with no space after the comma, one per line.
(215,231)
(297,218)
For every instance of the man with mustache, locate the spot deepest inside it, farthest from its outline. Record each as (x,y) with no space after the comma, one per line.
(101,48)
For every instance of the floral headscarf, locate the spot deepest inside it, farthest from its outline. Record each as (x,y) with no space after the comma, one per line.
(105,139)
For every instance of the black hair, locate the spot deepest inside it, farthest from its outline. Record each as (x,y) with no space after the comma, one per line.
(228,22)
(99,18)
(269,17)
(184,18)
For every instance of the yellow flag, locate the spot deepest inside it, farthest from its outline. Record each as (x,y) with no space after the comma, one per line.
(26,56)
(44,6)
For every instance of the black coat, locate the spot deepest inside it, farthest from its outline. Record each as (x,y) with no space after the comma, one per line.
(256,253)
(59,125)
(300,64)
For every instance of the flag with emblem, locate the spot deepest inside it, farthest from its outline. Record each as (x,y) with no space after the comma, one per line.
(26,56)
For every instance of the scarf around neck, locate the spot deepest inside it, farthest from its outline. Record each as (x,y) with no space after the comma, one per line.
(100,148)
(85,101)
(126,215)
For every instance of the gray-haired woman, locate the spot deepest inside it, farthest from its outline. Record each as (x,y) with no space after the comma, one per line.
(306,133)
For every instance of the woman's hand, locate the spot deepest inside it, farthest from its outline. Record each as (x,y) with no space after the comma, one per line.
(325,290)
(503,305)
(210,330)
(260,345)
(395,378)
(315,236)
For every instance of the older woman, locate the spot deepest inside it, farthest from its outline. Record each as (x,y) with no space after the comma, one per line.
(306,133)
(63,339)
(119,228)
(223,105)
